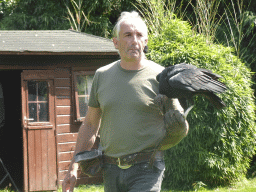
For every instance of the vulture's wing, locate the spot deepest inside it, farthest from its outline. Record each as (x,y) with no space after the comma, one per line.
(188,79)
(195,80)
(210,73)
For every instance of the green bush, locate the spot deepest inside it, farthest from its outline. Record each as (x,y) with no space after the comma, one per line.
(220,143)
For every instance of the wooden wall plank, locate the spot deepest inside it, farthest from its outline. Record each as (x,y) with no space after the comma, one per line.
(64,165)
(62,138)
(61,175)
(67,128)
(63,128)
(63,91)
(63,119)
(66,147)
(66,156)
(62,82)
(62,73)
(63,101)
(63,110)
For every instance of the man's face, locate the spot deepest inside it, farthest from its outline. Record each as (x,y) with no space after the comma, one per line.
(131,42)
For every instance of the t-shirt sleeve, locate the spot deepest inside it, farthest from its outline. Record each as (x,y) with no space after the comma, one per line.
(93,99)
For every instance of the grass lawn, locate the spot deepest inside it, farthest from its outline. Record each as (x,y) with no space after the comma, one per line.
(244,185)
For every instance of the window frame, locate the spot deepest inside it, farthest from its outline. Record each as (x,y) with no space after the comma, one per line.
(38,103)
(78,118)
(41,124)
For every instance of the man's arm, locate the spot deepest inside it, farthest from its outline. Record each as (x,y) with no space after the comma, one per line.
(86,138)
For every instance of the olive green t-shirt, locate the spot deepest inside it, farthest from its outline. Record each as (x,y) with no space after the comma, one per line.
(131,122)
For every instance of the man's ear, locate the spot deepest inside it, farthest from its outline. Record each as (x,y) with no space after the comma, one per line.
(145,50)
(115,41)
(146,41)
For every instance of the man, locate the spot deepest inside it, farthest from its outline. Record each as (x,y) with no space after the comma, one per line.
(122,110)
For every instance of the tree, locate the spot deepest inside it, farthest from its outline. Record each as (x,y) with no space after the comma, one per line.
(33,15)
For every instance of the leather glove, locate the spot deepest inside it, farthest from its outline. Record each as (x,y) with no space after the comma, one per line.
(165,104)
(176,126)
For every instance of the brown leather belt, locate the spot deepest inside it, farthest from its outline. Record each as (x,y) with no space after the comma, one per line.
(127,161)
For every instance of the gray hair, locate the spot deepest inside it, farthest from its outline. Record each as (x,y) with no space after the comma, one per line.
(129,16)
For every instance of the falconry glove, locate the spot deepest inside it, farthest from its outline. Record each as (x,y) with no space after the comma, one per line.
(175,124)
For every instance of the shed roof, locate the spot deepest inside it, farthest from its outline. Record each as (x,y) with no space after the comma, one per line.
(54,42)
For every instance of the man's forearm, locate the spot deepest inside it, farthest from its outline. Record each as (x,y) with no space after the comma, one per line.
(87,134)
(86,137)
(85,141)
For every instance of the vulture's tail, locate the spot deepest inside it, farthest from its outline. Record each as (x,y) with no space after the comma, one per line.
(214,99)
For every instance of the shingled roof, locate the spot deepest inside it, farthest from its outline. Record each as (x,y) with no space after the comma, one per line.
(54,42)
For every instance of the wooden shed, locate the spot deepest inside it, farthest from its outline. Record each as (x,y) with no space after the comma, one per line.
(45,79)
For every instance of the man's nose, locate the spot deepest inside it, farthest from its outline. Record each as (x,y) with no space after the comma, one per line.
(134,39)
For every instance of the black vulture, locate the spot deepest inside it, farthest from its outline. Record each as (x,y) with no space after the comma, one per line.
(183,81)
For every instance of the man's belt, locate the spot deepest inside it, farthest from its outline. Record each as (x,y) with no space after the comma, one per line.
(127,161)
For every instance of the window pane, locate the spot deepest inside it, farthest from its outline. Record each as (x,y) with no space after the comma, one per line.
(84,84)
(89,84)
(43,112)
(32,90)
(82,106)
(42,91)
(32,112)
(81,84)
(38,101)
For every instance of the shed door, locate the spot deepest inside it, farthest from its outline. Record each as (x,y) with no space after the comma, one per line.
(40,173)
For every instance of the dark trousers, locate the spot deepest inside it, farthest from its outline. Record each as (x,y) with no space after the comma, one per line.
(141,177)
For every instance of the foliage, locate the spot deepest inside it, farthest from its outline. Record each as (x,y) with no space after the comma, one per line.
(33,15)
(100,15)
(76,17)
(207,17)
(219,145)
(239,30)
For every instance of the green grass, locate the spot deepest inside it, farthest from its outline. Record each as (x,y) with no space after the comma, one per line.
(89,188)
(244,185)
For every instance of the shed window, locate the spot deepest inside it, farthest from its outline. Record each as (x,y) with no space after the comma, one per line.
(83,84)
(38,101)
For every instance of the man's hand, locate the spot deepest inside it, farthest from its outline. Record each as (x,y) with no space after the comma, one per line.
(69,182)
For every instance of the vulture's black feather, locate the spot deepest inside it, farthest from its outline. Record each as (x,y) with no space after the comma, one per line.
(183,81)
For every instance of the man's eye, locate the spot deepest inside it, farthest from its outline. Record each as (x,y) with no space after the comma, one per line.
(139,35)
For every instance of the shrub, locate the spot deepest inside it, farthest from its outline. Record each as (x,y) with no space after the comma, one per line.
(220,143)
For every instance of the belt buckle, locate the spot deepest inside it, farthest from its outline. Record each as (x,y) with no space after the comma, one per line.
(122,166)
